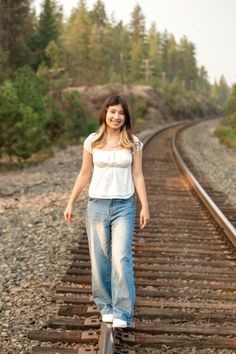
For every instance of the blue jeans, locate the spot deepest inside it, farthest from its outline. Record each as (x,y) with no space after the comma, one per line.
(110,225)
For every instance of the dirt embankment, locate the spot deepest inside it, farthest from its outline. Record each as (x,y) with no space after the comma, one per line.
(159,107)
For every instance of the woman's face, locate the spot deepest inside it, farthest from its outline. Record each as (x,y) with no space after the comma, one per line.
(115,117)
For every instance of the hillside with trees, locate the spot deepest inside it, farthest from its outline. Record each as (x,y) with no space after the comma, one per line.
(48,64)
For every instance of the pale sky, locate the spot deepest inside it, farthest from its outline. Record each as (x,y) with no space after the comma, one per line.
(209,24)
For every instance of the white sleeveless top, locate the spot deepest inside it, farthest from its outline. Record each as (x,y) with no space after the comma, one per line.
(112,172)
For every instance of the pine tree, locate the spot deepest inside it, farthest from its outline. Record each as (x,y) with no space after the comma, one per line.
(164,46)
(172,58)
(187,62)
(98,14)
(21,131)
(16,29)
(118,43)
(223,92)
(203,85)
(230,117)
(98,63)
(75,43)
(153,51)
(48,30)
(231,104)
(137,33)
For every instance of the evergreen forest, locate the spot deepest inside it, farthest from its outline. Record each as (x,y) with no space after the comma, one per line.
(41,55)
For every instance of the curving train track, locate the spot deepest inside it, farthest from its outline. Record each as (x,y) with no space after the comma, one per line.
(184,263)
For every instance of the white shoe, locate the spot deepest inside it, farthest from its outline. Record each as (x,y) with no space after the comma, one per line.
(119,323)
(107,317)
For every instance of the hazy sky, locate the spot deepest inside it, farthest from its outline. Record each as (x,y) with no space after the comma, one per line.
(209,24)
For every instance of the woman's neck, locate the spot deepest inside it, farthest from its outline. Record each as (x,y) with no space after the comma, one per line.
(112,139)
(112,133)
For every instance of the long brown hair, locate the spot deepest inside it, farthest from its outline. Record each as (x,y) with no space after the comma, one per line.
(126,137)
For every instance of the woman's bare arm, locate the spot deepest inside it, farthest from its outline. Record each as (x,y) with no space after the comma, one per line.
(80,183)
(140,187)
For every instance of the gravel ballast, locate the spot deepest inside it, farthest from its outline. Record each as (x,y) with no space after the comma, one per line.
(35,244)
(216,161)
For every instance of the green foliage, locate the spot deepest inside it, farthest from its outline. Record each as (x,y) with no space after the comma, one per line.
(75,43)
(138,108)
(137,50)
(231,104)
(153,49)
(32,118)
(16,29)
(93,49)
(20,132)
(98,14)
(176,87)
(117,44)
(48,27)
(54,124)
(4,71)
(187,62)
(77,120)
(230,120)
(227,134)
(220,92)
(203,85)
(44,78)
(52,52)
(28,90)
(226,131)
(88,48)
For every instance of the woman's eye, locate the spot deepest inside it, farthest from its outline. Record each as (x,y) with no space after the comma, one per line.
(119,113)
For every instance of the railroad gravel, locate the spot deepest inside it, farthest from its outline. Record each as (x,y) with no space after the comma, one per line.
(216,161)
(36,242)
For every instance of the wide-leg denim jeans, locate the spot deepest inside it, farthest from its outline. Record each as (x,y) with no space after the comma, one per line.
(110,225)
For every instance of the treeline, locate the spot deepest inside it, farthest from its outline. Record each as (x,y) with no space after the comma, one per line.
(41,55)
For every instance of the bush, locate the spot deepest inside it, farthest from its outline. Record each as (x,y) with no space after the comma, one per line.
(227,135)
(231,104)
(54,124)
(226,131)
(78,122)
(28,89)
(138,109)
(20,132)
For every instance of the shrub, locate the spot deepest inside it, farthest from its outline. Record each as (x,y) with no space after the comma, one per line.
(20,132)
(78,122)
(227,135)
(138,109)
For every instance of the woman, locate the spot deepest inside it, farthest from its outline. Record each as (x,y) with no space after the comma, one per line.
(115,156)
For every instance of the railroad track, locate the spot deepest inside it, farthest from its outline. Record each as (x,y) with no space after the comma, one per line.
(184,274)
(218,197)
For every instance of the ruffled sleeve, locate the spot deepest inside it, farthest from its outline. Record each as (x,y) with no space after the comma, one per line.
(138,145)
(88,143)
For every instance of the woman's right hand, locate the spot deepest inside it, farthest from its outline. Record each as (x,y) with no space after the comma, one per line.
(68,213)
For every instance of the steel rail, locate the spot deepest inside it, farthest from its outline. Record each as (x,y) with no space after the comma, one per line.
(217,214)
(106,342)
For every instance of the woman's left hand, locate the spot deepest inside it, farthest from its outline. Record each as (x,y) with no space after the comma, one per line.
(144,217)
